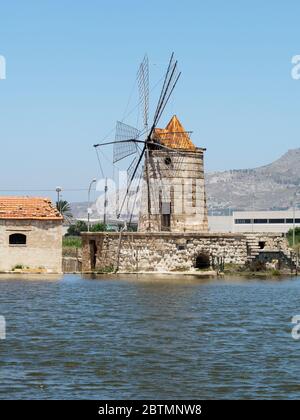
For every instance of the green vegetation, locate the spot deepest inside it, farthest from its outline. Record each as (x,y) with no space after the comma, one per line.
(64,208)
(77,228)
(71,246)
(72,242)
(80,226)
(132,228)
(254,269)
(18,267)
(297,236)
(98,227)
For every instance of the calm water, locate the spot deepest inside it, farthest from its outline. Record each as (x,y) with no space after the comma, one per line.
(144,338)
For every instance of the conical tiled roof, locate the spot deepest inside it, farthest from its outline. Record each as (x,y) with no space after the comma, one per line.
(174,135)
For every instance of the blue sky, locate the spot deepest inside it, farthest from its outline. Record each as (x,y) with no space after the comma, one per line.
(71,67)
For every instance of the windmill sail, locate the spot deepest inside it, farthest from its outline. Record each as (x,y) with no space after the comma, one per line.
(143,86)
(170,81)
(123,148)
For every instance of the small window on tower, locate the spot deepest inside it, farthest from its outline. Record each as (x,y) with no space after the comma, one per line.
(168,161)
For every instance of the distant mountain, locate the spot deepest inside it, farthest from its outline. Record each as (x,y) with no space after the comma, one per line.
(269,187)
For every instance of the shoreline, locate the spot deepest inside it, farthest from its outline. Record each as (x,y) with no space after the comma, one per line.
(204,274)
(212,274)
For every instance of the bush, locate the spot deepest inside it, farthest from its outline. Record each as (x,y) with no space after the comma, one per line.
(132,228)
(77,228)
(297,236)
(98,227)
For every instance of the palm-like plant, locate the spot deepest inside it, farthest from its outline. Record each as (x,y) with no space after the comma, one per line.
(64,208)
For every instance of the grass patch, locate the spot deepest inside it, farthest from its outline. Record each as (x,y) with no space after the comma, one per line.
(72,242)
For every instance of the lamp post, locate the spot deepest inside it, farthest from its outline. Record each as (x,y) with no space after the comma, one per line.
(89,210)
(58,190)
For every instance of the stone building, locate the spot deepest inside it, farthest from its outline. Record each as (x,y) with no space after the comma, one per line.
(173,194)
(30,235)
(173,224)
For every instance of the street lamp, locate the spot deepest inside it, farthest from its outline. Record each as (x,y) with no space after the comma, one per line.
(89,210)
(58,190)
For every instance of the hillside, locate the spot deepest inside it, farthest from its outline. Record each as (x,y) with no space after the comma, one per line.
(265,188)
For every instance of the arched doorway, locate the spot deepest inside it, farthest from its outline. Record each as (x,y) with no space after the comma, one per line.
(202,261)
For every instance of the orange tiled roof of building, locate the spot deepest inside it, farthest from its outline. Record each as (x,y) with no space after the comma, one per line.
(28,208)
(174,136)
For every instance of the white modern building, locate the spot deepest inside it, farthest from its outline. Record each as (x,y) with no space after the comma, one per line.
(255,221)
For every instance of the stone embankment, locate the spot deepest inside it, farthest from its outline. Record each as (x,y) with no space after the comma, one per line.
(178,252)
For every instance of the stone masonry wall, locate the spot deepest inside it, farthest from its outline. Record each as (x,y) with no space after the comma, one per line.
(169,251)
(177,188)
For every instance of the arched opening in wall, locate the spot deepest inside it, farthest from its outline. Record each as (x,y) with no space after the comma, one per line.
(202,261)
(17,239)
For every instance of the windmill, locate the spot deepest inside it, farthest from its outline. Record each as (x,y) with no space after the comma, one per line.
(144,146)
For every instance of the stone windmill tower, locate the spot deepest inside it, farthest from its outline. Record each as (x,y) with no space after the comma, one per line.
(165,161)
(173,194)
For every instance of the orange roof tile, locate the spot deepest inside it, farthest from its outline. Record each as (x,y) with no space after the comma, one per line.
(174,136)
(28,208)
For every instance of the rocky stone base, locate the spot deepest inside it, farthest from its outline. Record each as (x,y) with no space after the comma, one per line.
(172,252)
